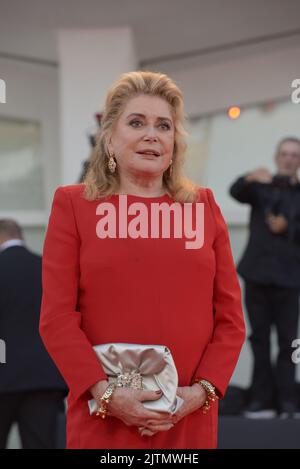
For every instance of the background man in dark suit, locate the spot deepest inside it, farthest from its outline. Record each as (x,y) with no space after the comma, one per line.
(31,389)
(270,267)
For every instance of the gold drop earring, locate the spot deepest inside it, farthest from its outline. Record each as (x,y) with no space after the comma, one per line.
(112,164)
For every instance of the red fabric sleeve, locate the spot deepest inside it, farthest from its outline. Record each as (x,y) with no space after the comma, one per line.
(221,355)
(60,323)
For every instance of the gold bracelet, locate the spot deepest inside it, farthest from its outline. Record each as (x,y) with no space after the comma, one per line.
(210,393)
(104,400)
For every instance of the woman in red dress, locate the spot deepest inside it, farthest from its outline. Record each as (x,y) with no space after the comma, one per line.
(102,285)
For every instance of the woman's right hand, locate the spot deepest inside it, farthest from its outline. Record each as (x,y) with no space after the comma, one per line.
(126,405)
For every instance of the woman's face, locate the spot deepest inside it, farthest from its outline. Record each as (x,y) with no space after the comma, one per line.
(145,124)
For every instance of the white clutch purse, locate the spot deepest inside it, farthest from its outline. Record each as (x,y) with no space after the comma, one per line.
(148,367)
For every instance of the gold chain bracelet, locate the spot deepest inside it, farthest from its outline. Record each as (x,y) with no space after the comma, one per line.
(210,393)
(104,400)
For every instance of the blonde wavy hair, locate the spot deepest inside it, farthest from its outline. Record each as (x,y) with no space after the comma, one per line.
(99,181)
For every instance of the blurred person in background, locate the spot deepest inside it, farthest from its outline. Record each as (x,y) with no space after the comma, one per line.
(270,267)
(31,389)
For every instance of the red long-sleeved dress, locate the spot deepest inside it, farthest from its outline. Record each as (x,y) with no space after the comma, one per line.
(138,290)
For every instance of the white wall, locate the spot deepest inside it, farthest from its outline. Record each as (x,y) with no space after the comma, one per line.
(32,94)
(243,76)
(90,61)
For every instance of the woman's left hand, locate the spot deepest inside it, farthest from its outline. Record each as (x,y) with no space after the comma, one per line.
(194,397)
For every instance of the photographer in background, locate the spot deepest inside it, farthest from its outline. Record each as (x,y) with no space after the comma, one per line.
(270,267)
